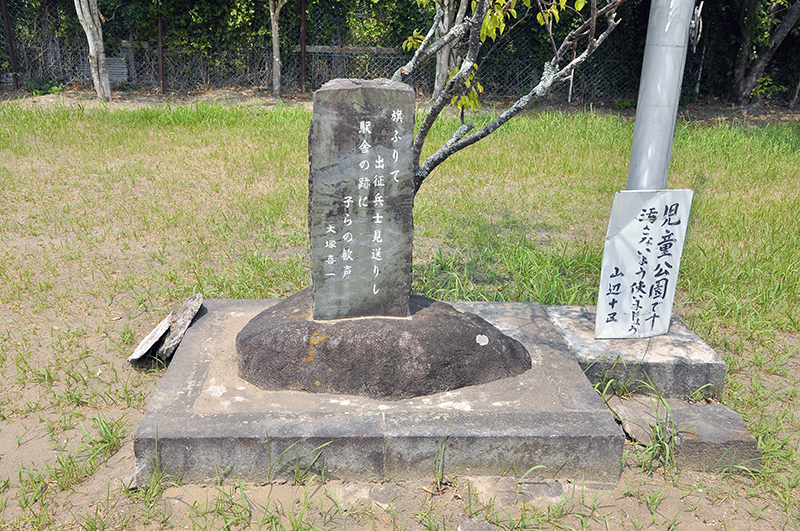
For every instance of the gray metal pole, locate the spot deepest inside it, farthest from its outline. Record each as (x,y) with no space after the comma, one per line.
(659,93)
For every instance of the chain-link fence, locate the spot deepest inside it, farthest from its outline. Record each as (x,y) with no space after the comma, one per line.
(356,39)
(42,49)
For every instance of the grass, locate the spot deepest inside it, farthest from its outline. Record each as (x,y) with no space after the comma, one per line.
(109,219)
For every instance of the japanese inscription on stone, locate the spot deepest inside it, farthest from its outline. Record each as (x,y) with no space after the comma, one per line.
(641,260)
(361,195)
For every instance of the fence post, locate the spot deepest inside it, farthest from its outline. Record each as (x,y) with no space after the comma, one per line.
(10,42)
(302,44)
(160,50)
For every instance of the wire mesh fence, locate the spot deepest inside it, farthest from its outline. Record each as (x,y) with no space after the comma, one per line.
(358,42)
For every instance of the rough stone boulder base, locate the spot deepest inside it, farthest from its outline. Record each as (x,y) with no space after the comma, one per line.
(436,349)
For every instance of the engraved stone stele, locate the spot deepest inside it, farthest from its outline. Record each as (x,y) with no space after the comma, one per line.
(359,331)
(361,194)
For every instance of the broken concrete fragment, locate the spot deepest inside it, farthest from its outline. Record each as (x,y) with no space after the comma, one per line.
(152,338)
(180,323)
(639,414)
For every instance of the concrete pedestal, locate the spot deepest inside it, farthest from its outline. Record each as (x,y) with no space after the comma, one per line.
(675,365)
(205,423)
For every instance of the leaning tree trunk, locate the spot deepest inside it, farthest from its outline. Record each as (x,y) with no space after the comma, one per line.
(743,89)
(796,94)
(89,17)
(274,16)
(444,56)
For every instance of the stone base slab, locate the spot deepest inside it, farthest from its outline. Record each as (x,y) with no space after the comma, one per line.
(706,437)
(678,364)
(205,423)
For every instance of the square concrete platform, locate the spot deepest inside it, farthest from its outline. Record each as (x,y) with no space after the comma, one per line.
(677,364)
(205,423)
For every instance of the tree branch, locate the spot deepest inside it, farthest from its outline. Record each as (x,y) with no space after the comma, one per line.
(550,76)
(419,55)
(789,20)
(455,34)
(548,24)
(581,31)
(462,12)
(443,98)
(744,87)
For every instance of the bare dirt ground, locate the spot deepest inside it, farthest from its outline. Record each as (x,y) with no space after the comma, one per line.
(661,499)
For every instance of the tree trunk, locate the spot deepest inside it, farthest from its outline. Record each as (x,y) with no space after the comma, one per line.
(445,61)
(740,69)
(442,68)
(744,86)
(796,94)
(274,16)
(89,17)
(443,55)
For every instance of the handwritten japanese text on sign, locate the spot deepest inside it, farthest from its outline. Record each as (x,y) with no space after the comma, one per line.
(641,260)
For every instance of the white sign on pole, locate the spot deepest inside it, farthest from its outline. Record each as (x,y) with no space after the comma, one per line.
(641,259)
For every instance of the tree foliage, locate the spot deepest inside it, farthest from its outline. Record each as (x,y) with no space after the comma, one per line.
(764,25)
(736,34)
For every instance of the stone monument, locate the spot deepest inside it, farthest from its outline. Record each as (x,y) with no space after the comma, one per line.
(362,348)
(360,198)
(359,330)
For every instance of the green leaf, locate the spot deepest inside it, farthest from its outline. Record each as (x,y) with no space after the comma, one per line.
(579,4)
(414,41)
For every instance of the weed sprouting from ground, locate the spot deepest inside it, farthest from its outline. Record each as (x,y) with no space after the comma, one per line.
(108,438)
